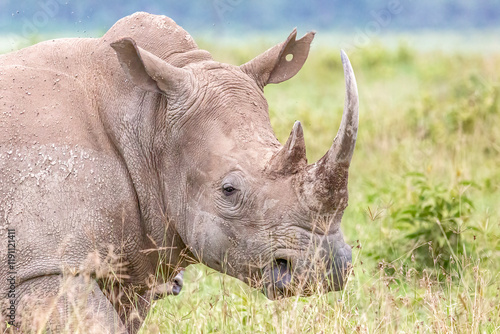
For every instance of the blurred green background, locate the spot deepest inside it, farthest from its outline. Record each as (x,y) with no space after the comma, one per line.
(423,215)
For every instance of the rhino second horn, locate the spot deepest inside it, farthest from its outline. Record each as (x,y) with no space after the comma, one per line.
(292,157)
(340,153)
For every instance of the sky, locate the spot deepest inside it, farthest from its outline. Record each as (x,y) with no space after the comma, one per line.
(244,15)
(361,20)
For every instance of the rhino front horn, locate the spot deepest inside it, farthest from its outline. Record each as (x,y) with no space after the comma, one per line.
(343,145)
(340,153)
(325,183)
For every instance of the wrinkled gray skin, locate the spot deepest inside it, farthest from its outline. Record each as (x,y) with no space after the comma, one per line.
(139,145)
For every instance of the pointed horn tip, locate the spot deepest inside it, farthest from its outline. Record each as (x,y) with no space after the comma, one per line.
(343,56)
(297,127)
(348,71)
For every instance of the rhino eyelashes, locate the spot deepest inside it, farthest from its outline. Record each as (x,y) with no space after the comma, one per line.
(228,190)
(231,199)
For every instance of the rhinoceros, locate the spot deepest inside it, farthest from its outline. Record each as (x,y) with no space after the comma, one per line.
(135,154)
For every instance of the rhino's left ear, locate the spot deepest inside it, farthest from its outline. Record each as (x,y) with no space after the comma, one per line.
(280,62)
(148,71)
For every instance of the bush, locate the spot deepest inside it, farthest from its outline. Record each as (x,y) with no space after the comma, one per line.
(434,216)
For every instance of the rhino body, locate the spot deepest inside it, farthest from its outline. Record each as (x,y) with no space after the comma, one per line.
(132,155)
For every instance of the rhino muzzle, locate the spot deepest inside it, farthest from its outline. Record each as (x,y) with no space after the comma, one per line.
(284,279)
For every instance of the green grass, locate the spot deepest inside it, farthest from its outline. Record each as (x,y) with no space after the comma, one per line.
(423,215)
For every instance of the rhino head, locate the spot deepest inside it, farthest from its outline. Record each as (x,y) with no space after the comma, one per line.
(240,201)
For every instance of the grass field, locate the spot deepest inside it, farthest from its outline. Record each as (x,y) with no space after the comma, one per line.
(423,216)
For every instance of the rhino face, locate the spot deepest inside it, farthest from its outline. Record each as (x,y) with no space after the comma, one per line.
(243,203)
(259,228)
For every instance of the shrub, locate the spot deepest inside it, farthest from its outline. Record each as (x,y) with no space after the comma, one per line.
(434,216)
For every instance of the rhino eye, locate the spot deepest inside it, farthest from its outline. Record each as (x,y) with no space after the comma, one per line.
(228,189)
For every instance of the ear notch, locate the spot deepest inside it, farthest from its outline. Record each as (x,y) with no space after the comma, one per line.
(298,51)
(148,71)
(292,157)
(281,62)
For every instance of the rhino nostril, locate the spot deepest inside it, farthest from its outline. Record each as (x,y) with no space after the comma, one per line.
(178,281)
(281,262)
(281,274)
(176,289)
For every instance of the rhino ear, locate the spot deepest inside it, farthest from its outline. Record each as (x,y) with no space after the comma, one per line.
(280,62)
(148,71)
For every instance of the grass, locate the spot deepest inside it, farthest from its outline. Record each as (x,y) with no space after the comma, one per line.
(424,192)
(423,215)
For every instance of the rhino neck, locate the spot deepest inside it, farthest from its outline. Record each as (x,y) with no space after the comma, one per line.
(135,120)
(132,119)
